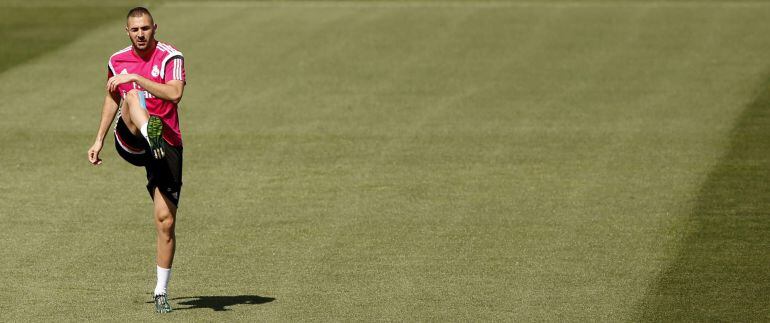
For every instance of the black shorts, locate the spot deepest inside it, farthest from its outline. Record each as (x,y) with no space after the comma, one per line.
(165,174)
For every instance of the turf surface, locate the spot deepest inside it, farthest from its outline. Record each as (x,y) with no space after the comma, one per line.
(29,29)
(406,161)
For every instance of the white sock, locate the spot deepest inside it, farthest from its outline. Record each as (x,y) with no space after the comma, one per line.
(162,284)
(143,130)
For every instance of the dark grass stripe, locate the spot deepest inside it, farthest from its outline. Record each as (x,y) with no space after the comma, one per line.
(723,269)
(28,32)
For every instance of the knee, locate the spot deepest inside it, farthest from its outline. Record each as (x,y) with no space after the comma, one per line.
(165,221)
(133,93)
(132,96)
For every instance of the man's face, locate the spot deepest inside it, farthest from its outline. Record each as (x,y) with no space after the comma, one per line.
(141,30)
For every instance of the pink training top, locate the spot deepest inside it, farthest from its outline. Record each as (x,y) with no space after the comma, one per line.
(165,64)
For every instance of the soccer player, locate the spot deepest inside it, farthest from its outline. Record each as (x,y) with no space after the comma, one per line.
(145,84)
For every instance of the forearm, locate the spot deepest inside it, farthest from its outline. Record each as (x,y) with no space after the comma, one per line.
(170,92)
(109,110)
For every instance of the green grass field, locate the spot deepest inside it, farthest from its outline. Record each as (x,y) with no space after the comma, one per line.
(400,161)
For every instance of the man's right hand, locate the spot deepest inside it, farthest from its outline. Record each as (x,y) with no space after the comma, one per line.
(93,153)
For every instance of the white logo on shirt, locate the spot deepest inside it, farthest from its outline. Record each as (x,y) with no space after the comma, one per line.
(155,71)
(124,71)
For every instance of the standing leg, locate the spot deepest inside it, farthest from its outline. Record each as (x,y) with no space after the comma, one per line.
(165,215)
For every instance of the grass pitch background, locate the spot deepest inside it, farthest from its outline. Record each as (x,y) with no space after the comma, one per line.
(401,161)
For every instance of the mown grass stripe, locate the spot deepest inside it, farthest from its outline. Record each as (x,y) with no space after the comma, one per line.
(721,270)
(471,4)
(28,32)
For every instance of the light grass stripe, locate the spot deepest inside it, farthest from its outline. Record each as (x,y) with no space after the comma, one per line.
(471,4)
(391,4)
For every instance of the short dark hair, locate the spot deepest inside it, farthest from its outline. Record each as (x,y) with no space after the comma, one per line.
(138,12)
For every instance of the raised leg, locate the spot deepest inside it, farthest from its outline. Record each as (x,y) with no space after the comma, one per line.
(133,113)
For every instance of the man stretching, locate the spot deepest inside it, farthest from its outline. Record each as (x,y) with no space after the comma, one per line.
(145,83)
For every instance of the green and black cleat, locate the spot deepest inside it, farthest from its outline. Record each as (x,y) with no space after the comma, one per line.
(155,137)
(161,304)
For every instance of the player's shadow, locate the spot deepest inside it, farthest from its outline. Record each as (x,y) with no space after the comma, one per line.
(218,303)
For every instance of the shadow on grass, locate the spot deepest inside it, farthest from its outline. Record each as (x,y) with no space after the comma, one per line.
(218,303)
(722,271)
